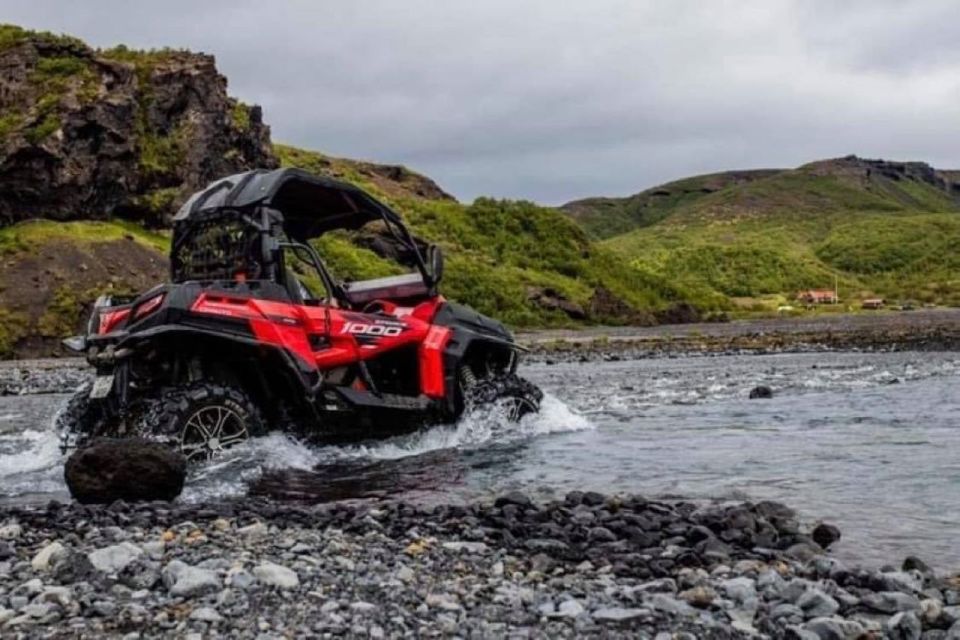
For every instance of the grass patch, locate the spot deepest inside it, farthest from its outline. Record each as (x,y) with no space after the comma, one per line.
(13,327)
(10,123)
(44,129)
(62,314)
(26,236)
(12,35)
(240,114)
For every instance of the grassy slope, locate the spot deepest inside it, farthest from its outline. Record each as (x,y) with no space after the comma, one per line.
(799,229)
(51,272)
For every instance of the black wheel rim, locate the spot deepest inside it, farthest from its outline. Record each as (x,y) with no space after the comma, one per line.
(210,431)
(518,407)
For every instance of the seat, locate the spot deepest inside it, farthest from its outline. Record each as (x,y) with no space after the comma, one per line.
(407,286)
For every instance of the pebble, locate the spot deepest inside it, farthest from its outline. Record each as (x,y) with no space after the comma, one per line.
(442,601)
(206,614)
(891,601)
(363,607)
(405,574)
(618,614)
(114,559)
(10,531)
(699,596)
(904,626)
(817,604)
(570,609)
(183,580)
(240,579)
(468,547)
(275,575)
(41,561)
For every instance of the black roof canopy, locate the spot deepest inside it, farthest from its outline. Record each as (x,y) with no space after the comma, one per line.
(310,205)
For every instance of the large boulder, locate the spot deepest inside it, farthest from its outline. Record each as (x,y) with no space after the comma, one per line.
(130,469)
(90,133)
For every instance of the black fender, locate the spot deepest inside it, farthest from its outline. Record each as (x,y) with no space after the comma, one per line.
(295,382)
(470,331)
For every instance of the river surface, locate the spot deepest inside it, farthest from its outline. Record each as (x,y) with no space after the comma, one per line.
(869,442)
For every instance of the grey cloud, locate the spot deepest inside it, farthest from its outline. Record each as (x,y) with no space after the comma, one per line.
(553,102)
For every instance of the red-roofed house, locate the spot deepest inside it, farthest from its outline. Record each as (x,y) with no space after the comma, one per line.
(818,296)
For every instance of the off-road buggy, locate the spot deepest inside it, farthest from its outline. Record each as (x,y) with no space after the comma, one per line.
(239,342)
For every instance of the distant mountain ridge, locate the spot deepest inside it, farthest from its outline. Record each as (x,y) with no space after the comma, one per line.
(903,183)
(880,227)
(604,217)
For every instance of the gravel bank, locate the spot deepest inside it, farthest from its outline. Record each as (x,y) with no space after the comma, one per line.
(590,565)
(48,375)
(923,330)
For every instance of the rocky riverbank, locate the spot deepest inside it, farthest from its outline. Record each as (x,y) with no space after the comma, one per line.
(589,565)
(924,330)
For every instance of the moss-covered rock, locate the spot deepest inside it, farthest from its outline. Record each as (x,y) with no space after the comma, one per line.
(90,134)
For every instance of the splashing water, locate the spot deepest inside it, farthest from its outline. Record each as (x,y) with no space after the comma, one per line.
(284,458)
(481,426)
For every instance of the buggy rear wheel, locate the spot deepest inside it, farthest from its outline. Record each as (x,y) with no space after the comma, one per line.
(202,419)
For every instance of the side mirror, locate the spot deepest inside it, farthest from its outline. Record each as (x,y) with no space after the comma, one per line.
(435,263)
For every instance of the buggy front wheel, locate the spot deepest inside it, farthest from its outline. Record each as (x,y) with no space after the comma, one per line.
(516,396)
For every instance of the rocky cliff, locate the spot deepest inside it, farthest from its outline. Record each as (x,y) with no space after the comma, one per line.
(94,134)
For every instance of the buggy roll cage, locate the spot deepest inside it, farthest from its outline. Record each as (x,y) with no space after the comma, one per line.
(284,208)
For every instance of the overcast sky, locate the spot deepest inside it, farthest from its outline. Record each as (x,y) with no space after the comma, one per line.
(552,100)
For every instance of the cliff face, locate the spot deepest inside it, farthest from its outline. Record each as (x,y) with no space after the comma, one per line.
(92,134)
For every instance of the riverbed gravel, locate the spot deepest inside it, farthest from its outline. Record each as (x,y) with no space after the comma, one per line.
(589,565)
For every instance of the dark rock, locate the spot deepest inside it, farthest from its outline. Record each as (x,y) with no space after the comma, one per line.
(913,563)
(601,534)
(593,499)
(517,498)
(131,469)
(904,626)
(606,305)
(761,392)
(552,300)
(825,534)
(825,629)
(770,510)
(679,313)
(891,602)
(698,533)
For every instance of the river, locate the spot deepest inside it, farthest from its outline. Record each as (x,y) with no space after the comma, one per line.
(867,441)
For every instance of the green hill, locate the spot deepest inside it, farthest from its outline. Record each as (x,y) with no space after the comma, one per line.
(882,228)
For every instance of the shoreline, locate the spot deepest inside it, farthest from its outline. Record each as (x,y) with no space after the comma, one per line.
(587,565)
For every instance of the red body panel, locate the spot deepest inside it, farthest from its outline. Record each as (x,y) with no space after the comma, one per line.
(351,336)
